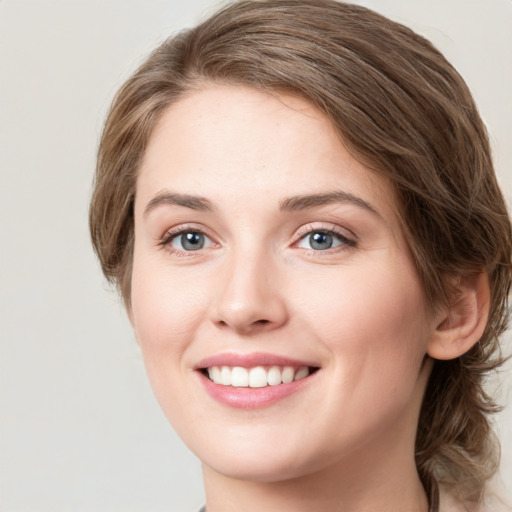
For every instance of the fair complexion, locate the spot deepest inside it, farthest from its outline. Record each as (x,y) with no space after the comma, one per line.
(261,242)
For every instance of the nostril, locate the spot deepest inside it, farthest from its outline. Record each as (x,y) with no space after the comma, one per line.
(262,322)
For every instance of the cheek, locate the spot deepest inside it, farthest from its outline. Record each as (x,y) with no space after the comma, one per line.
(166,307)
(384,295)
(166,312)
(373,320)
(374,325)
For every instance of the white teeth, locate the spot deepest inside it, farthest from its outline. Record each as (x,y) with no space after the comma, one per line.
(225,376)
(215,374)
(257,377)
(301,373)
(288,374)
(239,377)
(274,376)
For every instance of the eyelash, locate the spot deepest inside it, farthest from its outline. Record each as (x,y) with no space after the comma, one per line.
(172,234)
(346,241)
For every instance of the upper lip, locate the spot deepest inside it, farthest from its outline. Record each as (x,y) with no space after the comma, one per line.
(251,360)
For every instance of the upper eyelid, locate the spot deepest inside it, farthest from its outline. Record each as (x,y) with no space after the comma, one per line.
(332,229)
(299,234)
(173,232)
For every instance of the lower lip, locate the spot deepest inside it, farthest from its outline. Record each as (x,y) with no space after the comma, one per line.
(252,398)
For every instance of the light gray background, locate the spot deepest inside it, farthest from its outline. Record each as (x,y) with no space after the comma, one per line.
(79,427)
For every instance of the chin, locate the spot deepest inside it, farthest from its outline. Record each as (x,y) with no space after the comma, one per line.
(259,470)
(256,459)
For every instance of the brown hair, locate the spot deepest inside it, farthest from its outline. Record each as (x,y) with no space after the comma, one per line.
(402,110)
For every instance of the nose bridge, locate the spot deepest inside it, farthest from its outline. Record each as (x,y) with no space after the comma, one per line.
(249,298)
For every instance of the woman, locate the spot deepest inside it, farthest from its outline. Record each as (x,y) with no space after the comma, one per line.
(297,202)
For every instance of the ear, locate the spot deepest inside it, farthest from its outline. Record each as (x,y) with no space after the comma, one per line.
(462,323)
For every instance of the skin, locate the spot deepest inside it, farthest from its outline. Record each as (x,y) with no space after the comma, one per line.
(345,440)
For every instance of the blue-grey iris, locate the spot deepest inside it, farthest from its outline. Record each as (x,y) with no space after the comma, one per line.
(192,241)
(320,241)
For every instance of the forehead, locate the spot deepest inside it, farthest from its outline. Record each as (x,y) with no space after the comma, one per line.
(231,142)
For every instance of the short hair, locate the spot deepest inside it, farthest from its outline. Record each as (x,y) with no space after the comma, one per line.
(402,110)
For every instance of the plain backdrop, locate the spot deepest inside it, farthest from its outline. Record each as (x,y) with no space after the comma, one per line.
(79,427)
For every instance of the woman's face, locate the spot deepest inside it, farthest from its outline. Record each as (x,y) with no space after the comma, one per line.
(265,253)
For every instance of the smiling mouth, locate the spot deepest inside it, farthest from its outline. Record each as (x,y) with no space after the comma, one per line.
(256,377)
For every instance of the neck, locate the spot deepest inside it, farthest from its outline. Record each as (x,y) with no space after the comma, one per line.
(377,480)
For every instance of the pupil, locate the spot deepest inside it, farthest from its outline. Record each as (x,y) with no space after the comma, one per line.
(321,241)
(192,241)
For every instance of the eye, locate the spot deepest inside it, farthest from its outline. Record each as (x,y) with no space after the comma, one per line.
(187,241)
(322,240)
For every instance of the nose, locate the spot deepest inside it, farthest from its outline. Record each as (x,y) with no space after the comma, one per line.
(249,299)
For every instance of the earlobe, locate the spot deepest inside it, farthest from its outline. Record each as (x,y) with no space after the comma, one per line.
(462,322)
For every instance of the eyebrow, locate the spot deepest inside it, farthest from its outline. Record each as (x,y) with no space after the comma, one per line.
(185,200)
(289,204)
(303,202)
